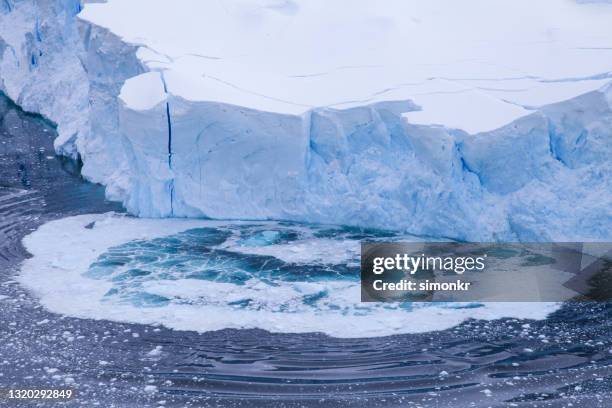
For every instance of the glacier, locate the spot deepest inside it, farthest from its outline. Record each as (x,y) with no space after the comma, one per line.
(331,112)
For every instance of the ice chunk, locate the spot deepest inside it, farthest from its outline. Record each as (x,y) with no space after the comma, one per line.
(144,91)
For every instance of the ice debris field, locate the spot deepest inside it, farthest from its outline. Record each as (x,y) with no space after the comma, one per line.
(450,119)
(209,275)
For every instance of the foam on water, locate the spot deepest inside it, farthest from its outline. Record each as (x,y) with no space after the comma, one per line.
(208,275)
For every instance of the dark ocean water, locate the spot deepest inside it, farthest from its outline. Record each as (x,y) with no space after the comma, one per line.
(562,361)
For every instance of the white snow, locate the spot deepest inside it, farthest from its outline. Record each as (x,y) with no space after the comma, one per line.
(144,91)
(291,56)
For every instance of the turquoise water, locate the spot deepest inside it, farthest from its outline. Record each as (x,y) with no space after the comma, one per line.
(226,255)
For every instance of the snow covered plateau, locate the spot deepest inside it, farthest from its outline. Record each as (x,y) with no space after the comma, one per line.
(472,120)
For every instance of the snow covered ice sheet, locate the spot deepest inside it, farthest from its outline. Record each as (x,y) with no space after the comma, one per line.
(290,56)
(442,118)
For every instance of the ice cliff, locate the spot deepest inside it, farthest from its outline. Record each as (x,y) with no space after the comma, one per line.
(467,120)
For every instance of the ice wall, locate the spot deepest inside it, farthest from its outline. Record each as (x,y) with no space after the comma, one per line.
(70,72)
(521,167)
(40,67)
(544,176)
